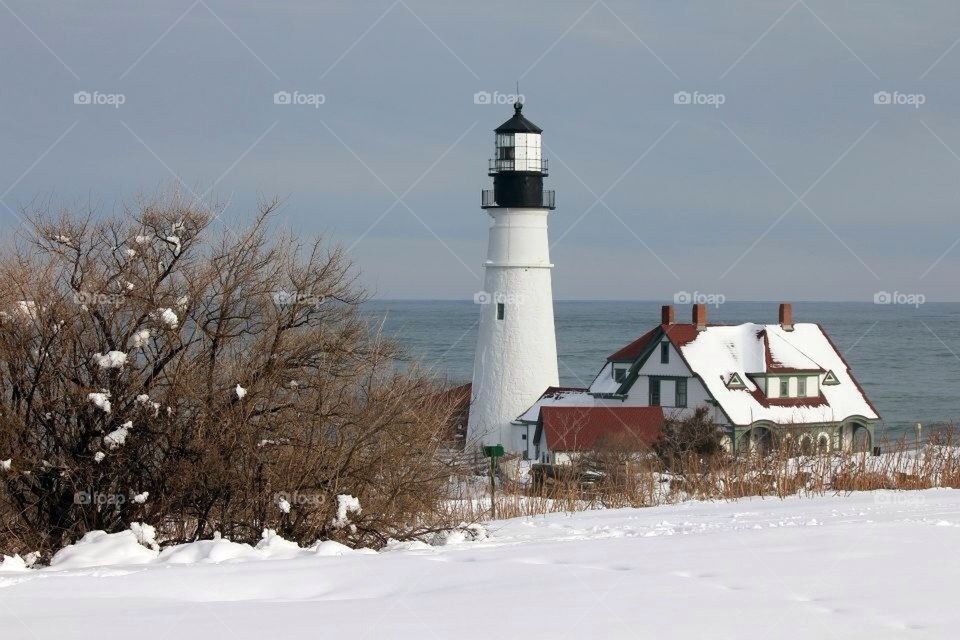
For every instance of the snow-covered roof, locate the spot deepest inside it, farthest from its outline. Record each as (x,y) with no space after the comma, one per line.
(718,352)
(557,397)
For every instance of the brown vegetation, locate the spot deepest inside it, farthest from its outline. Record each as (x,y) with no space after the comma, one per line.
(252,394)
(631,478)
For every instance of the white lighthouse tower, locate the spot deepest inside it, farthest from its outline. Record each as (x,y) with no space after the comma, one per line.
(516,357)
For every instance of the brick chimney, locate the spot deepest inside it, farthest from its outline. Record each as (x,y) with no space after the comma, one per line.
(786,316)
(700,316)
(666,314)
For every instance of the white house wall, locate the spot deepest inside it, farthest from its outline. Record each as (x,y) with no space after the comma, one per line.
(639,393)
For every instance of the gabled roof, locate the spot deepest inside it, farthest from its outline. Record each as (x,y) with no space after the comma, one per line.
(633,350)
(678,334)
(582,428)
(518,123)
(717,352)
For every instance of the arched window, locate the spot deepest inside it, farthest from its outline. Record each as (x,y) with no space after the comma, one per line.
(823,443)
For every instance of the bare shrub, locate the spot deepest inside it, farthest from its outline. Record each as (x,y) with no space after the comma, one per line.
(693,437)
(150,371)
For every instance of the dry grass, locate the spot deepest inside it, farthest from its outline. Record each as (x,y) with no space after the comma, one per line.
(645,483)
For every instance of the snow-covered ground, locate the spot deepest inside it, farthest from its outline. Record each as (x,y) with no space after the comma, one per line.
(870,565)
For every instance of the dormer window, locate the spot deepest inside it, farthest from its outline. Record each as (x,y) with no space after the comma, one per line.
(801,386)
(735,382)
(784,387)
(620,372)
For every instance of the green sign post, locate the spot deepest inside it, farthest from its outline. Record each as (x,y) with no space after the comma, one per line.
(493,452)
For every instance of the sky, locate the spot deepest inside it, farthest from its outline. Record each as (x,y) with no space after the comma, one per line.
(816,158)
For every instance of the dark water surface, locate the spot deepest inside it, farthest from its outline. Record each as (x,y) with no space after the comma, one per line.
(906,358)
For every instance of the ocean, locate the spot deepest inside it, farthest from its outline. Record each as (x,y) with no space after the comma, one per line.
(907,358)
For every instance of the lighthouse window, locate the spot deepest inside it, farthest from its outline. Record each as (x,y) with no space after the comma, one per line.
(500,311)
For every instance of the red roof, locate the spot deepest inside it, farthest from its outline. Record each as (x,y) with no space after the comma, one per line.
(678,333)
(579,428)
(809,401)
(633,350)
(681,334)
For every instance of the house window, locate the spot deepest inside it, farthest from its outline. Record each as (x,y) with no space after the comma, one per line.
(664,352)
(654,392)
(501,310)
(784,387)
(681,392)
(801,386)
(619,374)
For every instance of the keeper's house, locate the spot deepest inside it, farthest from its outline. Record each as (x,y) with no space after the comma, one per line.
(763,384)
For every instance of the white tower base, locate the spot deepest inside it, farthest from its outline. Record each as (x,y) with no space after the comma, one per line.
(516,356)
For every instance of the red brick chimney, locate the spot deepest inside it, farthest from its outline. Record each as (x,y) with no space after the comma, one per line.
(700,316)
(786,316)
(666,314)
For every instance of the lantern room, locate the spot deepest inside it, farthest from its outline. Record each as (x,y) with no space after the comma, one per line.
(518,166)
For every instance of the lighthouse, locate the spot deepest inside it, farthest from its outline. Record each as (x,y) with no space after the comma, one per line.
(516,355)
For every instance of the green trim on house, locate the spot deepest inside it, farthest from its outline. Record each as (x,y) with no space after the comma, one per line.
(640,361)
(830,379)
(736,382)
(834,431)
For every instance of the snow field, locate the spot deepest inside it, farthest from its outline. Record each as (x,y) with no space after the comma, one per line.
(869,565)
